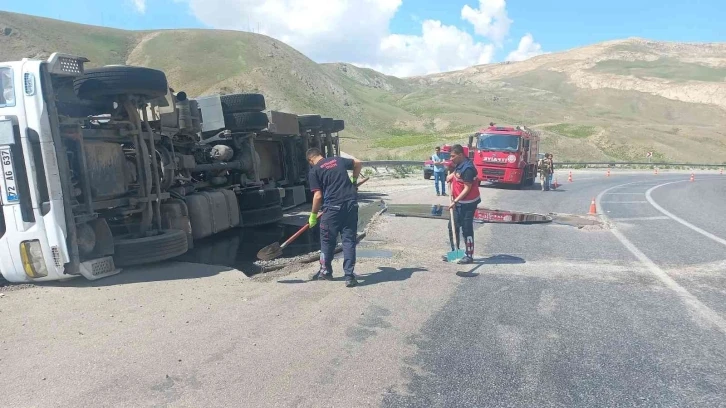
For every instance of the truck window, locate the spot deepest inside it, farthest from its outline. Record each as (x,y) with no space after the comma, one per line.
(495,142)
(7,93)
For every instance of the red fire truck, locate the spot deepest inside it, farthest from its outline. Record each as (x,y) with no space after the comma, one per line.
(505,155)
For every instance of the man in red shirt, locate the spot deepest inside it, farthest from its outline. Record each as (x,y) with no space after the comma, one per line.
(465,195)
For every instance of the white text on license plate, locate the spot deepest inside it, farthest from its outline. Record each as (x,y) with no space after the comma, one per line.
(10,191)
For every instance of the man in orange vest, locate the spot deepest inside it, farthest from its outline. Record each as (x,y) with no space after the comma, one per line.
(465,194)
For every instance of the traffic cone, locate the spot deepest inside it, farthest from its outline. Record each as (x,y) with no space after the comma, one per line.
(656,171)
(608,175)
(556,185)
(693,177)
(570,178)
(593,209)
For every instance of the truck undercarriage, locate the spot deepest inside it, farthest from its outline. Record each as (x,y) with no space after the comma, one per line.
(145,171)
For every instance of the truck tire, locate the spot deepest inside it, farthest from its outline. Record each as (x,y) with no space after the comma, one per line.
(309,121)
(250,200)
(107,82)
(338,125)
(236,103)
(246,121)
(326,125)
(165,245)
(261,216)
(427,176)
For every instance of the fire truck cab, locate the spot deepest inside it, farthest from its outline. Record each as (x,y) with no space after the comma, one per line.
(505,155)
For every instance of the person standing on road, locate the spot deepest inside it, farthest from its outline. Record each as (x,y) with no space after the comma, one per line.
(439,172)
(337,195)
(545,171)
(552,172)
(465,198)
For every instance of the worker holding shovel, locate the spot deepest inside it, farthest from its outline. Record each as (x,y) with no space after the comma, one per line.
(465,198)
(337,196)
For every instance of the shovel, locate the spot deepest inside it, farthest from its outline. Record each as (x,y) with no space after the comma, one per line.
(274,250)
(454,254)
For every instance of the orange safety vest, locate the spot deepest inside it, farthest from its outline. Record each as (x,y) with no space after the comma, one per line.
(457,186)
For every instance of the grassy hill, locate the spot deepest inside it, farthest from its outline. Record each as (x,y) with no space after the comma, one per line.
(614,100)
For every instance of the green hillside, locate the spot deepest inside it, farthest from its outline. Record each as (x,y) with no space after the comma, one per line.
(614,100)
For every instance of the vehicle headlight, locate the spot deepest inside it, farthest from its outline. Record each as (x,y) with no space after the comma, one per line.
(31,255)
(8,92)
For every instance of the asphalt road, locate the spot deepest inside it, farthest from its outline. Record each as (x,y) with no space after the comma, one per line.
(629,313)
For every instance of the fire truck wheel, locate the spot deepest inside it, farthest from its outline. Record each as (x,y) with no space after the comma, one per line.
(235,103)
(166,244)
(338,125)
(326,125)
(261,216)
(309,121)
(250,200)
(246,121)
(111,81)
(427,176)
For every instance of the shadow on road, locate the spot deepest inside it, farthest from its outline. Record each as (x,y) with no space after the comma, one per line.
(370,197)
(500,259)
(150,273)
(384,274)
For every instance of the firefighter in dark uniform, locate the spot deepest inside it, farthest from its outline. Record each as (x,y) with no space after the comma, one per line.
(465,194)
(336,194)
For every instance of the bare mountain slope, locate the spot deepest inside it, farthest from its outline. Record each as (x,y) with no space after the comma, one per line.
(614,100)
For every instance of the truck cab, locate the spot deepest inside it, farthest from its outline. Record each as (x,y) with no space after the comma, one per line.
(505,155)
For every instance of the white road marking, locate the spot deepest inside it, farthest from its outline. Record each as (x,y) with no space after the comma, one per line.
(641,218)
(652,202)
(686,297)
(626,193)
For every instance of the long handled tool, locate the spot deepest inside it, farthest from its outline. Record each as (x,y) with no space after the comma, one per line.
(454,254)
(274,250)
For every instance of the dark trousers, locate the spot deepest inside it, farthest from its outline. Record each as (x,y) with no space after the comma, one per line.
(440,180)
(464,219)
(336,220)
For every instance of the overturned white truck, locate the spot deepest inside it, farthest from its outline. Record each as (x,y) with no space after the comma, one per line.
(109,167)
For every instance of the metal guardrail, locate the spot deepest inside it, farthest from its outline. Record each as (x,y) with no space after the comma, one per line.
(393,163)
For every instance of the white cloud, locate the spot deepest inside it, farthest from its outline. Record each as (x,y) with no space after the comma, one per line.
(357,31)
(140,5)
(438,48)
(527,49)
(489,20)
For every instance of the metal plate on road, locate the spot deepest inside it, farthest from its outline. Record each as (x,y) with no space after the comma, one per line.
(9,189)
(481,215)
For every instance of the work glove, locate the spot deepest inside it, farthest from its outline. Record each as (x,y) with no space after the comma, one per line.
(313,220)
(354,180)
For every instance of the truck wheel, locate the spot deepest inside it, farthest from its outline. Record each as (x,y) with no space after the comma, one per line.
(250,200)
(427,176)
(165,245)
(249,121)
(261,216)
(326,125)
(236,103)
(338,125)
(106,82)
(309,121)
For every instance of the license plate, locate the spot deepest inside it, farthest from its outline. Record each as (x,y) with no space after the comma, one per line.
(10,191)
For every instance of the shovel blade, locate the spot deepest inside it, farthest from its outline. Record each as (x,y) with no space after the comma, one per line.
(269,252)
(452,256)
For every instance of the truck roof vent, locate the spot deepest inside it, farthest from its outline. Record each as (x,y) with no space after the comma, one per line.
(29,83)
(56,256)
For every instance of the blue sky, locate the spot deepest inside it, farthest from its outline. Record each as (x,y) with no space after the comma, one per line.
(556,25)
